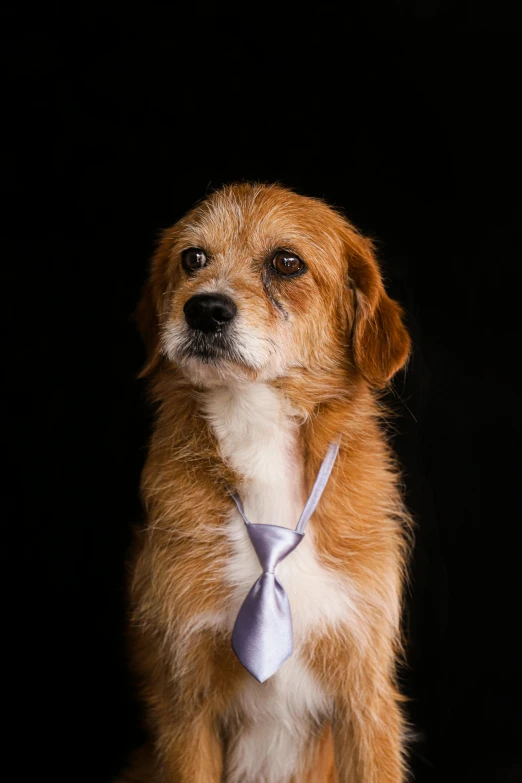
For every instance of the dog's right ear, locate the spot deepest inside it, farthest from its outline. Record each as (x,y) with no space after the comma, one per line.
(148,312)
(147,317)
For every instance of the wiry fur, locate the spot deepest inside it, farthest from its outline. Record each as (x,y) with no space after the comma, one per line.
(300,367)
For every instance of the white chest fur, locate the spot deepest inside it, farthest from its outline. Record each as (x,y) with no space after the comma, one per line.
(257,436)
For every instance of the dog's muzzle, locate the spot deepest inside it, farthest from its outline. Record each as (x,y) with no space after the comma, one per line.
(209,312)
(209,318)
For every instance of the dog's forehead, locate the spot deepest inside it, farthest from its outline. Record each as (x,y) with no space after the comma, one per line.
(260,219)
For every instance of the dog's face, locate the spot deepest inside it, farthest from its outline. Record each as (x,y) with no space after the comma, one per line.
(257,282)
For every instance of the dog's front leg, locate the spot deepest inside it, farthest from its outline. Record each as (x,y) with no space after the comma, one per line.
(189,749)
(369,741)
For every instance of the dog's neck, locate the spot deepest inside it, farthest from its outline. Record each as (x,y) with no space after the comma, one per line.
(258,435)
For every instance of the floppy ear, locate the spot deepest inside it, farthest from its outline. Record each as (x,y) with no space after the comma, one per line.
(147,314)
(380,342)
(146,317)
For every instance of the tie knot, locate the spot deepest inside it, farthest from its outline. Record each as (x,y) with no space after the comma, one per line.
(272,543)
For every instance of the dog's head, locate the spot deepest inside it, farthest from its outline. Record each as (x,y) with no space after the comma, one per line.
(257,282)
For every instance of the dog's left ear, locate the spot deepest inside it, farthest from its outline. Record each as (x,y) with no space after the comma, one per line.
(380,342)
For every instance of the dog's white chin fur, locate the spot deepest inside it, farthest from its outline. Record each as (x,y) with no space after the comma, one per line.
(253,360)
(216,373)
(224,373)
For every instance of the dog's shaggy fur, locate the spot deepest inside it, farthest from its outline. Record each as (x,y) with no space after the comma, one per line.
(253,408)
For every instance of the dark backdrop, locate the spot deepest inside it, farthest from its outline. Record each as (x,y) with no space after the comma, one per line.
(118,120)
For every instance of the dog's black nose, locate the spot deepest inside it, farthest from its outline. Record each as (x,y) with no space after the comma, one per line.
(209,312)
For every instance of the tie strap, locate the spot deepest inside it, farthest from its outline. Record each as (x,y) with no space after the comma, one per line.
(315,495)
(262,633)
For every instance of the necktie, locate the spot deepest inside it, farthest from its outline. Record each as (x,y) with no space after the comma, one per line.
(262,634)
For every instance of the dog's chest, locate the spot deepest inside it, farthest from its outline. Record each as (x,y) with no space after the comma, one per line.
(258,437)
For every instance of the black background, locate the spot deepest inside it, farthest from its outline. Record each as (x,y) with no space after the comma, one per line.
(118,119)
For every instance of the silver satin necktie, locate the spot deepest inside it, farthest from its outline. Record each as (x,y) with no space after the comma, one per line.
(262,635)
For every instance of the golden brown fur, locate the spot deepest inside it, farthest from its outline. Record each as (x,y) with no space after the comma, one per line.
(347,341)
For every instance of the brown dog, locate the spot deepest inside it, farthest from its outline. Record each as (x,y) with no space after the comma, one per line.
(269,332)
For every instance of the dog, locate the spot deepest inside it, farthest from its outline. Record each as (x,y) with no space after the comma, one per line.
(269,336)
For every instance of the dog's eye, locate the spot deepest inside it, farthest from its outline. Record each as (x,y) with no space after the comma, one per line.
(286,263)
(193,258)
